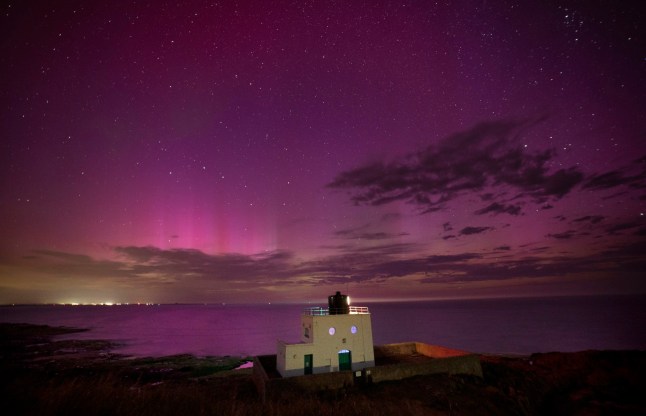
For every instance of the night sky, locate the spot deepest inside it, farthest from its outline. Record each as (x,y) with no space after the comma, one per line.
(267,151)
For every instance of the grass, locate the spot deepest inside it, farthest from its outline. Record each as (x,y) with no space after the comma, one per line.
(39,376)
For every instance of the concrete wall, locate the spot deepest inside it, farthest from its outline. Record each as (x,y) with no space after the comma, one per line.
(436,351)
(446,360)
(410,348)
(404,348)
(465,364)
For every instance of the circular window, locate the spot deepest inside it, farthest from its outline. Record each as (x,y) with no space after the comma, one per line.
(331,330)
(353,329)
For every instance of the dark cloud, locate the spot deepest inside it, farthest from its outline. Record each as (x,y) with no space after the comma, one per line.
(605,180)
(380,236)
(196,264)
(474,230)
(487,197)
(350,231)
(358,263)
(447,227)
(359,234)
(376,236)
(384,249)
(559,183)
(76,258)
(566,235)
(593,219)
(626,260)
(62,264)
(391,216)
(496,208)
(633,176)
(193,270)
(615,195)
(360,267)
(180,273)
(617,228)
(488,155)
(540,249)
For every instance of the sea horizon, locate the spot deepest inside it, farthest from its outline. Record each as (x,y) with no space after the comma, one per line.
(517,326)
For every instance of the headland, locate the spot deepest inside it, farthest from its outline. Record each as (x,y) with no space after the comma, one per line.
(42,375)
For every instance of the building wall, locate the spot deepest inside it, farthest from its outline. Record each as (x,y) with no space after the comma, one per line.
(352,332)
(291,357)
(307,323)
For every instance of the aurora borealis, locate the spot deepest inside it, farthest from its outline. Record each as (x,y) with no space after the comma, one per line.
(265,151)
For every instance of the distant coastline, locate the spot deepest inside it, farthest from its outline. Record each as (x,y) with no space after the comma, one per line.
(306,302)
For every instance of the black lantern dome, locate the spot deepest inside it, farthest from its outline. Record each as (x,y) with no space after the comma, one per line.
(338,304)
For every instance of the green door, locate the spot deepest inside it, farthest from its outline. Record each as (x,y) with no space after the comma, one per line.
(309,358)
(345,360)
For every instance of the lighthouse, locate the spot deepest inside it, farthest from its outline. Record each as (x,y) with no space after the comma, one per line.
(336,338)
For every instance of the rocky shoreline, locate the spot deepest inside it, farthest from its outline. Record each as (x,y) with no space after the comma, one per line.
(41,375)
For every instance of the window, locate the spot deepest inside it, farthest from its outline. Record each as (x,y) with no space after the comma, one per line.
(331,331)
(353,329)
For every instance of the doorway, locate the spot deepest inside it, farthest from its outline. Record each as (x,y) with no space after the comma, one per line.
(309,363)
(345,360)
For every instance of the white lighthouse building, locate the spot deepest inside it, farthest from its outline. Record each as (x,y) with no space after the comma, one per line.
(338,338)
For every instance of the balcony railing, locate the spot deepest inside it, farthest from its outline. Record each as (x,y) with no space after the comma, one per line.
(319,311)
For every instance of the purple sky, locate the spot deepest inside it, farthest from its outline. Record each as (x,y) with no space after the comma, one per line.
(279,151)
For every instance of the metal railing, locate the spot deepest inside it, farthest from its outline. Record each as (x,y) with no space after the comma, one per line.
(319,311)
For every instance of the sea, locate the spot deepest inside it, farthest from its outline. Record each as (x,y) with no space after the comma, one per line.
(517,326)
